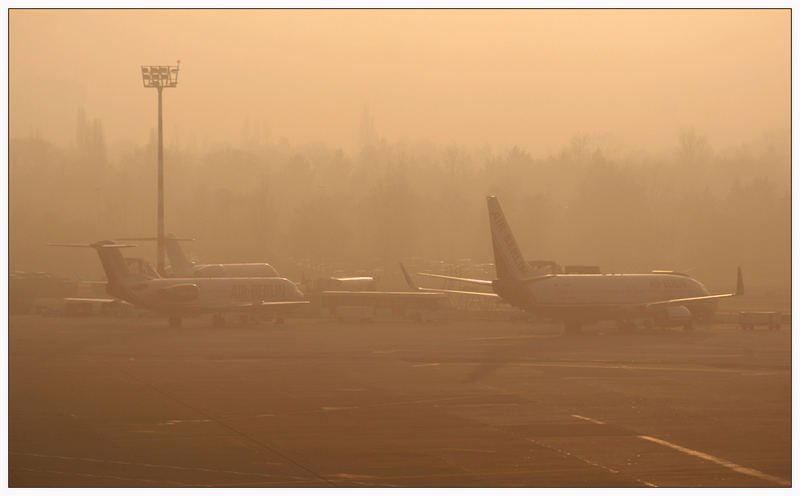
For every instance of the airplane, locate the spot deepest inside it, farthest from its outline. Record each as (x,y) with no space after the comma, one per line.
(181,266)
(336,292)
(666,298)
(179,297)
(413,285)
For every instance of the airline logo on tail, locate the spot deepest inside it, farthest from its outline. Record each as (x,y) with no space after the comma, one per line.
(507,257)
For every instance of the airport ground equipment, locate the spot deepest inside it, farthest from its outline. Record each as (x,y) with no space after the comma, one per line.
(751,320)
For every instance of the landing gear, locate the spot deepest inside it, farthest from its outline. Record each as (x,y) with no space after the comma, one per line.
(279,320)
(572,327)
(175,321)
(218,320)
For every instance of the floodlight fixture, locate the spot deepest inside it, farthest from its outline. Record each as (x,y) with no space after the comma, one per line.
(160,76)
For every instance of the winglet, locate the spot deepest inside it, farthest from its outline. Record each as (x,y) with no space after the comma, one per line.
(739,283)
(410,281)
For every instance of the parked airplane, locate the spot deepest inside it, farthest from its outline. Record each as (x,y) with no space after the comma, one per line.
(179,297)
(181,266)
(337,294)
(413,285)
(664,297)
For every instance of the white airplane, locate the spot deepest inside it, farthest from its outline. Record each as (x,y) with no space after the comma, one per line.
(663,297)
(181,266)
(179,297)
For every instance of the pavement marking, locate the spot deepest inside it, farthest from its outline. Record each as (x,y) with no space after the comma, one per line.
(644,367)
(426,365)
(174,422)
(468,450)
(719,461)
(250,437)
(102,476)
(153,465)
(594,421)
(704,456)
(588,462)
(354,476)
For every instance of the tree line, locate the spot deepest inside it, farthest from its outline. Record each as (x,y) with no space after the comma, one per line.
(301,206)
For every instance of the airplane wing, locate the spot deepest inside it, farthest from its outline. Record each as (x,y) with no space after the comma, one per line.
(680,301)
(380,293)
(454,291)
(414,286)
(461,279)
(251,307)
(483,282)
(277,304)
(91,300)
(697,299)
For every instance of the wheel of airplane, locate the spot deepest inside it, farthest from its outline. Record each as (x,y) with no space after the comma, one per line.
(218,320)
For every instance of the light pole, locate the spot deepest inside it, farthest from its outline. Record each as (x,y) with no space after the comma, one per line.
(160,77)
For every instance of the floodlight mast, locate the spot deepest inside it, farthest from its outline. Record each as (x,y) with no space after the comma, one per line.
(160,77)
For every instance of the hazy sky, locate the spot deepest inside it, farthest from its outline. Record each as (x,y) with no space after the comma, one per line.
(534,78)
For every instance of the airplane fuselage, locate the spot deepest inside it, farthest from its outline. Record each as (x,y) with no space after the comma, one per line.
(205,295)
(610,289)
(596,296)
(234,270)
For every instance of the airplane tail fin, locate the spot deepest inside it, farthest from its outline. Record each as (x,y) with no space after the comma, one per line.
(114,264)
(507,257)
(739,282)
(179,262)
(177,258)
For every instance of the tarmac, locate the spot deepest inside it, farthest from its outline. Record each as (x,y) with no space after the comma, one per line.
(129,402)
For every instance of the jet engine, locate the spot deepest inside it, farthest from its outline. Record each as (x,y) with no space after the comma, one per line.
(513,293)
(180,292)
(673,315)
